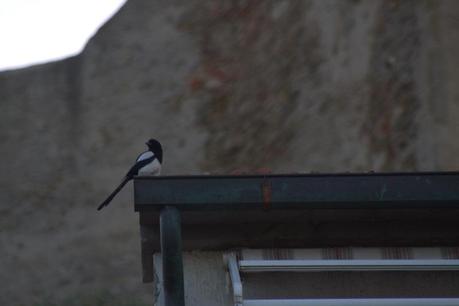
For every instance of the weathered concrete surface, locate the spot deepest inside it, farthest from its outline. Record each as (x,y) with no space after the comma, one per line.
(290,85)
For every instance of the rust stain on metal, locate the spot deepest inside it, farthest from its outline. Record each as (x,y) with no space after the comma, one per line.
(266,192)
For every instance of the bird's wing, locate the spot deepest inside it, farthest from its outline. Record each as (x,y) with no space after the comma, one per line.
(142,160)
(144,155)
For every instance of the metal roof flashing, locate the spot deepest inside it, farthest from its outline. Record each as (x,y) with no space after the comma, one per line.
(298,191)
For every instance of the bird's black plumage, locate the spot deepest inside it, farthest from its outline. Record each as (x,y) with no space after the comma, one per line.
(145,163)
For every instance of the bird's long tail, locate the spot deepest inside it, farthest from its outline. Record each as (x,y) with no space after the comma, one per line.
(114,193)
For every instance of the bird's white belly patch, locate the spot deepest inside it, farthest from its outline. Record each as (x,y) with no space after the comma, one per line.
(153,168)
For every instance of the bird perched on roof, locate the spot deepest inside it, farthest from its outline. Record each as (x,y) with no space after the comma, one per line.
(148,163)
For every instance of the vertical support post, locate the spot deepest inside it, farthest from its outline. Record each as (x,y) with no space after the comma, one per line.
(171,252)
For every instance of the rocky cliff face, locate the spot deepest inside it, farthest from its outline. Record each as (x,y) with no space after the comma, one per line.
(295,86)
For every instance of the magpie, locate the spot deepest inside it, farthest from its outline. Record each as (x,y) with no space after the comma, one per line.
(148,163)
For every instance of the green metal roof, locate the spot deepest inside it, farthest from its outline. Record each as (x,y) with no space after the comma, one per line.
(366,190)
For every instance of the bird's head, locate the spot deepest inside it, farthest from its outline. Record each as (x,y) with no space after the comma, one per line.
(155,146)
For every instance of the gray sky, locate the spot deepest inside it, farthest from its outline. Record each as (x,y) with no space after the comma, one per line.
(37,31)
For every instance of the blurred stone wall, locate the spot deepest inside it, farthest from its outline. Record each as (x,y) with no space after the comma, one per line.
(295,86)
